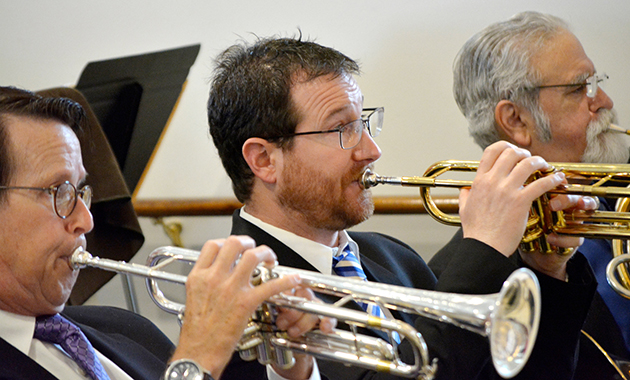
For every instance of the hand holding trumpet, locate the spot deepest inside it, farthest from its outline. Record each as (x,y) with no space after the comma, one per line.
(495,209)
(220,299)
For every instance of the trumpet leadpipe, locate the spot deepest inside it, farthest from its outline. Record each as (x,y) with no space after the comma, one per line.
(370,179)
(81,258)
(619,129)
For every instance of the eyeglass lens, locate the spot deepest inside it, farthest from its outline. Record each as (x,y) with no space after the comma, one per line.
(66,198)
(351,133)
(593,83)
(375,121)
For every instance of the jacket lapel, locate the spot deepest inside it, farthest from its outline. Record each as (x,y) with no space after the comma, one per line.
(288,257)
(22,367)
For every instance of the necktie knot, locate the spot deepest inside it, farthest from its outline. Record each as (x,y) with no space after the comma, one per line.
(58,330)
(347,264)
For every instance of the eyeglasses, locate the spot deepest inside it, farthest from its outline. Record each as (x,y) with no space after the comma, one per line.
(591,83)
(350,133)
(64,196)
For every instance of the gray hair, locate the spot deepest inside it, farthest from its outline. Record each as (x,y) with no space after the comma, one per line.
(494,65)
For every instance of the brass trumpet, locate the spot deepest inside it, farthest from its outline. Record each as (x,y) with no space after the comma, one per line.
(617,269)
(509,318)
(583,179)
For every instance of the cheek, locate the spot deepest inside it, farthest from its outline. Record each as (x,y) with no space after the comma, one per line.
(571,118)
(35,252)
(568,129)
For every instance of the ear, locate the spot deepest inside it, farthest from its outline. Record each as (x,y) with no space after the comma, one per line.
(260,155)
(515,124)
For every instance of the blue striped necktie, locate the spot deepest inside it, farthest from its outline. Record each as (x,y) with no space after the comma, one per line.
(347,265)
(58,330)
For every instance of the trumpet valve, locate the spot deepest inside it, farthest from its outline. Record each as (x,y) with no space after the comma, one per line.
(284,358)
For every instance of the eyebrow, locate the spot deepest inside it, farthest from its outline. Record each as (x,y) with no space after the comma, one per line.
(337,112)
(583,77)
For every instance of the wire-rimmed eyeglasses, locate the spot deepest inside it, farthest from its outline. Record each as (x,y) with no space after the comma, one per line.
(350,133)
(64,196)
(591,83)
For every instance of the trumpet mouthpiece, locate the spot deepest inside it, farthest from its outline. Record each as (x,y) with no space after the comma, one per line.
(617,128)
(79,258)
(368,179)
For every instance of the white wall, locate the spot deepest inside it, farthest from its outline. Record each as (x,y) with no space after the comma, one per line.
(406,48)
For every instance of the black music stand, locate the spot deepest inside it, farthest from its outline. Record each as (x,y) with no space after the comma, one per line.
(133,98)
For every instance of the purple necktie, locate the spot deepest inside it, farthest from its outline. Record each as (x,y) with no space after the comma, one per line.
(57,329)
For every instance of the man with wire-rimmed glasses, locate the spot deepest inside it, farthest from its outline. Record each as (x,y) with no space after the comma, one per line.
(528,80)
(289,122)
(44,216)
(350,133)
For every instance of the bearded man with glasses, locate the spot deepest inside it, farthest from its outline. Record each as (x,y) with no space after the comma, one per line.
(288,119)
(527,80)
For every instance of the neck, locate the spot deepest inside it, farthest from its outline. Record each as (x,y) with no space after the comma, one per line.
(291,221)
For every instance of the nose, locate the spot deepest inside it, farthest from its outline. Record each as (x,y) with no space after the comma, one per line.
(80,221)
(601,100)
(367,149)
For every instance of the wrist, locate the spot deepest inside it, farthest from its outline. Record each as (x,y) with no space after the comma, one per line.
(186,369)
(208,358)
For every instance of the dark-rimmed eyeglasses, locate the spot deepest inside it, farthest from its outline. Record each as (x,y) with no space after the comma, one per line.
(350,133)
(64,196)
(591,83)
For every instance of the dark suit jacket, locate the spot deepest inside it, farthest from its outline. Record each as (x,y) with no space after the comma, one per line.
(132,342)
(599,323)
(461,354)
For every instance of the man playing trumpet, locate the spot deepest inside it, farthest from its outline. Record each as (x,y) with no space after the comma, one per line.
(289,123)
(44,209)
(527,80)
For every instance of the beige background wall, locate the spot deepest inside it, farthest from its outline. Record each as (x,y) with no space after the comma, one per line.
(406,48)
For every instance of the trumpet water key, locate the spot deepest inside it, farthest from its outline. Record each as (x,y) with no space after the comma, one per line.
(509,318)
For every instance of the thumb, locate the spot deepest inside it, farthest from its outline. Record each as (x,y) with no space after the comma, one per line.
(463,197)
(277,286)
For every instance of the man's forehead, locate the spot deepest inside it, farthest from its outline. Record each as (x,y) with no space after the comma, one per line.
(562,60)
(327,88)
(42,146)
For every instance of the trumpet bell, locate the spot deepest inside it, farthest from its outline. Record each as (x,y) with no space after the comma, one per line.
(515,323)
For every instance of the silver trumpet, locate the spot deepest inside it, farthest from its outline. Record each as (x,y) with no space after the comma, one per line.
(509,318)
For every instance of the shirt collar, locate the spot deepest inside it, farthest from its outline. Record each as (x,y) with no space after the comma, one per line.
(318,255)
(17,330)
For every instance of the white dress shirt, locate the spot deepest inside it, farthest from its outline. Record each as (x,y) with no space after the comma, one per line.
(18,331)
(318,255)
